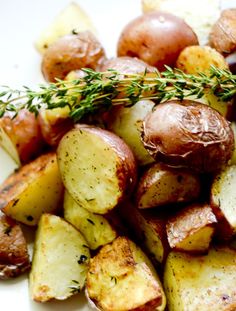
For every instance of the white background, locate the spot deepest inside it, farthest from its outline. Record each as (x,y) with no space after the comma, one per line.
(21,22)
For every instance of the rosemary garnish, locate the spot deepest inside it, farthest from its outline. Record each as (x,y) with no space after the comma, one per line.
(99,91)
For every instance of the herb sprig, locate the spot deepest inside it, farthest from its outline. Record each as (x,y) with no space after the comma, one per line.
(99,91)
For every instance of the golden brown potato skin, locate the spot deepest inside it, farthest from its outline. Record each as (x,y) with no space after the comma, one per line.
(188,134)
(72,52)
(126,64)
(14,258)
(157,38)
(25,133)
(223,34)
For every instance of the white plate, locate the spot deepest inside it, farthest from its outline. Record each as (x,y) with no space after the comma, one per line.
(21,22)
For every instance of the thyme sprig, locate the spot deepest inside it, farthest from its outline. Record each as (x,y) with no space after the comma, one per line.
(99,91)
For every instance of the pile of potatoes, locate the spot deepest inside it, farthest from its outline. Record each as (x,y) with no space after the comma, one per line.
(159,176)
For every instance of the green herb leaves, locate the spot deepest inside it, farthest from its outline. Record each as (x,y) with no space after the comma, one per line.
(99,91)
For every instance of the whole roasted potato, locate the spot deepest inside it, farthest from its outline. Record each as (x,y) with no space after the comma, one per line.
(72,52)
(126,64)
(188,134)
(223,33)
(157,38)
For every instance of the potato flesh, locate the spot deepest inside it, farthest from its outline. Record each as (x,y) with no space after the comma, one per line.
(95,228)
(71,18)
(35,189)
(122,268)
(200,282)
(162,185)
(8,146)
(127,122)
(89,170)
(60,260)
(191,229)
(224,195)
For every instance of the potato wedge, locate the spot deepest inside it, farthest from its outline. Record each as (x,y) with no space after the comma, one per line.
(14,258)
(25,135)
(60,260)
(149,229)
(7,144)
(126,123)
(35,189)
(98,169)
(223,201)
(95,228)
(120,277)
(161,185)
(201,283)
(71,18)
(191,229)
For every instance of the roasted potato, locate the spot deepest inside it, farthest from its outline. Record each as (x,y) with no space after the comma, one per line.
(191,229)
(157,38)
(231,61)
(72,18)
(233,159)
(25,135)
(54,124)
(98,169)
(71,52)
(223,201)
(162,185)
(14,258)
(7,144)
(200,15)
(149,229)
(196,59)
(188,134)
(60,260)
(126,64)
(126,122)
(95,228)
(223,33)
(120,277)
(201,283)
(34,189)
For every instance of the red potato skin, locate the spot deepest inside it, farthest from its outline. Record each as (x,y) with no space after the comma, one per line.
(188,134)
(72,52)
(14,259)
(127,169)
(223,33)
(157,38)
(126,64)
(25,133)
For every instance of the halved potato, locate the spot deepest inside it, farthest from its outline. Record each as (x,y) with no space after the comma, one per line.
(35,189)
(191,229)
(72,18)
(60,260)
(95,228)
(127,122)
(161,185)
(24,133)
(233,159)
(149,229)
(223,201)
(201,283)
(14,258)
(98,169)
(120,277)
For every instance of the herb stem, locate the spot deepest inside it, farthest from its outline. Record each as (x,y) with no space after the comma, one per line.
(99,91)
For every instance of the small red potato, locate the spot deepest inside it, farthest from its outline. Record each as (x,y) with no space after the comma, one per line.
(25,134)
(157,38)
(188,134)
(71,52)
(223,33)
